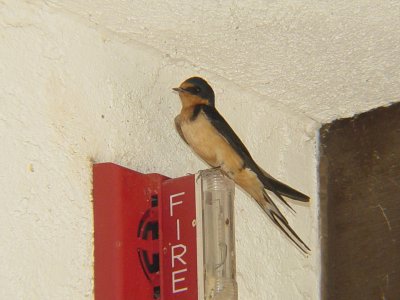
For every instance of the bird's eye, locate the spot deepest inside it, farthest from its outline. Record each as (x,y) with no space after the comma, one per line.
(193,90)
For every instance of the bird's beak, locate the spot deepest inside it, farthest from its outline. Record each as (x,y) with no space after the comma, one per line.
(180,90)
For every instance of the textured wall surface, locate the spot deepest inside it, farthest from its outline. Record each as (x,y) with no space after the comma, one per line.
(72,93)
(327,59)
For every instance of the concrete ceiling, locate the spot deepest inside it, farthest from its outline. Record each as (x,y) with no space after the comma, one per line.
(326,59)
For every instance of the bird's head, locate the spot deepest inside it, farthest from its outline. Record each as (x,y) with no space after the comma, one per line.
(194,91)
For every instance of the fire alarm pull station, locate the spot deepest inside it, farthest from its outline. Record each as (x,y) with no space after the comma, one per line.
(162,238)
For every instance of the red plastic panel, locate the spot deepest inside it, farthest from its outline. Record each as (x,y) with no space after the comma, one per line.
(127,245)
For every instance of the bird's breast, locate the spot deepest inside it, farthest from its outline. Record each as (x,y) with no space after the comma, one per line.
(209,144)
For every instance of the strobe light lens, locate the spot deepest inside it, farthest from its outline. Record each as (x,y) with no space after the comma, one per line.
(219,236)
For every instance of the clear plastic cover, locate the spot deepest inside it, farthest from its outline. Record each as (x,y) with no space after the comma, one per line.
(219,236)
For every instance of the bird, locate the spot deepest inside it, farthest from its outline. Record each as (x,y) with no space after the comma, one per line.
(210,136)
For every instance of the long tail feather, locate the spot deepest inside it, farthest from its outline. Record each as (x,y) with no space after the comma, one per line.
(276,216)
(283,200)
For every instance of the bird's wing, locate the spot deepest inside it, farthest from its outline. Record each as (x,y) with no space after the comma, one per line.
(178,128)
(269,182)
(281,188)
(227,133)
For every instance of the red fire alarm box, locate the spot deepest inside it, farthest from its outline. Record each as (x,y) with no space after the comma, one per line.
(162,238)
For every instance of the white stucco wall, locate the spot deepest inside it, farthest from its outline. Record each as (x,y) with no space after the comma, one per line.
(326,59)
(72,93)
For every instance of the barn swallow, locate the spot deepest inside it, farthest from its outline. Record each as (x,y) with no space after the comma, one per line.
(202,127)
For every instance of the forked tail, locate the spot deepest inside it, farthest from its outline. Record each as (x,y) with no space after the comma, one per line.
(276,216)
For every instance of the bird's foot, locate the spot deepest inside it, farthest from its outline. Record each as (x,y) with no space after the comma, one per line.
(201,172)
(216,168)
